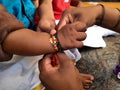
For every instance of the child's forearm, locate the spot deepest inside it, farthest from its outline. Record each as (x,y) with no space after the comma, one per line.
(45,8)
(28,42)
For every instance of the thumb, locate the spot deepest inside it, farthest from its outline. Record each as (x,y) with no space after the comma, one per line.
(62,23)
(64,60)
(45,63)
(66,19)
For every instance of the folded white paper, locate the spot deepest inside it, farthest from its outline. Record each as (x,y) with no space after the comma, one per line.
(95,36)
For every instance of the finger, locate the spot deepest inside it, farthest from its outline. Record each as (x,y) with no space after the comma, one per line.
(88,82)
(79,44)
(53,31)
(64,60)
(65,20)
(45,63)
(79,26)
(81,36)
(86,86)
(62,22)
(4,56)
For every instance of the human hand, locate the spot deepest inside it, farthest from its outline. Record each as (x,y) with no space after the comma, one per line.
(47,24)
(64,76)
(8,24)
(47,20)
(87,15)
(72,35)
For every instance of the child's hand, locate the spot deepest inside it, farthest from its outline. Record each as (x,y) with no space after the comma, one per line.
(72,35)
(47,24)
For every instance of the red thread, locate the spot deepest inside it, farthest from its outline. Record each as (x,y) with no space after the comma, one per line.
(53,61)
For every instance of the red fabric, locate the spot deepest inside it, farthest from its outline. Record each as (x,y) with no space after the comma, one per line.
(59,6)
(37,18)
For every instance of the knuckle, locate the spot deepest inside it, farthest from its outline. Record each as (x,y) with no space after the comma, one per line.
(80,45)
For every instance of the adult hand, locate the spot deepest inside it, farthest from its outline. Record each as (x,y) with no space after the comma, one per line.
(8,23)
(87,15)
(64,76)
(72,35)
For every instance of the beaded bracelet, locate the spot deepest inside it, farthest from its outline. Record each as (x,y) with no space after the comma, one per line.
(59,45)
(102,15)
(118,22)
(54,42)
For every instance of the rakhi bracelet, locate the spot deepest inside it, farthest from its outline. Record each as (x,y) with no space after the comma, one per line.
(118,21)
(102,15)
(59,45)
(54,42)
(54,60)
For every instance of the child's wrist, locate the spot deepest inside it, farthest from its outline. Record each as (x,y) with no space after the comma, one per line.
(55,43)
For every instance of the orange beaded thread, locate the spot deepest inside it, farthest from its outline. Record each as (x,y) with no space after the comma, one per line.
(54,42)
(53,61)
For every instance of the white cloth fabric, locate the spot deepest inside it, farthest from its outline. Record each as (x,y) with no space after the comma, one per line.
(95,36)
(21,73)
(73,54)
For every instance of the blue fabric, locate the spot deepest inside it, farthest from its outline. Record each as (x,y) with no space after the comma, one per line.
(24,10)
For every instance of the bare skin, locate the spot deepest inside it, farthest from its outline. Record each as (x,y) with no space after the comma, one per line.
(90,16)
(20,41)
(8,24)
(47,24)
(65,69)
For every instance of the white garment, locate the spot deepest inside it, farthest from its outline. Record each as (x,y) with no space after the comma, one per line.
(73,54)
(21,73)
